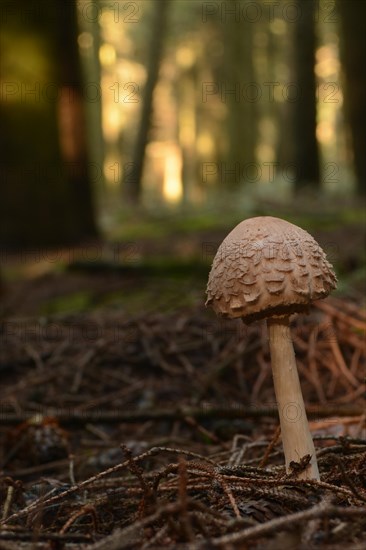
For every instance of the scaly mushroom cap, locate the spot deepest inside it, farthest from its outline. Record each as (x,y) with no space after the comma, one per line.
(265,267)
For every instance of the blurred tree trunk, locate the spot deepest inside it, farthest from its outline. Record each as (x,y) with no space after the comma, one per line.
(132,178)
(353,54)
(285,110)
(45,191)
(91,70)
(238,92)
(306,156)
(297,153)
(72,120)
(187,131)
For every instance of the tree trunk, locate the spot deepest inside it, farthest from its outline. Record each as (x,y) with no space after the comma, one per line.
(238,91)
(306,156)
(91,70)
(353,53)
(132,179)
(72,121)
(45,194)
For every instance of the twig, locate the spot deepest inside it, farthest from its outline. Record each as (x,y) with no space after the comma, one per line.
(40,537)
(75,416)
(327,307)
(334,458)
(85,510)
(270,447)
(204,431)
(42,502)
(183,499)
(71,469)
(81,364)
(341,363)
(285,522)
(8,501)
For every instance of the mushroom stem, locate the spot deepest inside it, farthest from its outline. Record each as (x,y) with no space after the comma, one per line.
(295,432)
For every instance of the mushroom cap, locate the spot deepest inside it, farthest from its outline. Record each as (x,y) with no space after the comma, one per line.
(268,267)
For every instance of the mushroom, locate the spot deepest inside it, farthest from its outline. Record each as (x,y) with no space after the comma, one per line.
(268,268)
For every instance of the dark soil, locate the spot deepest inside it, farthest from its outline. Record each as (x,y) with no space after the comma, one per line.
(161,431)
(133,418)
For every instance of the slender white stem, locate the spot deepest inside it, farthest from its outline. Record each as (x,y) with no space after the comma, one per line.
(295,432)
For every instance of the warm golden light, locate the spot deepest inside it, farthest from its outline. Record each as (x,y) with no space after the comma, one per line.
(278,26)
(107,54)
(327,63)
(265,153)
(112,121)
(187,128)
(325,132)
(185,57)
(172,187)
(205,144)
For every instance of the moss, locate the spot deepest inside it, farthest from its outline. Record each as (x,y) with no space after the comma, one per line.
(78,301)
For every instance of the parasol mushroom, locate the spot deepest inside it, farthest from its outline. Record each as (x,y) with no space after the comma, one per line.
(268,268)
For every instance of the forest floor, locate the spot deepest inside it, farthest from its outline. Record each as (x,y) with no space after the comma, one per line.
(131,417)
